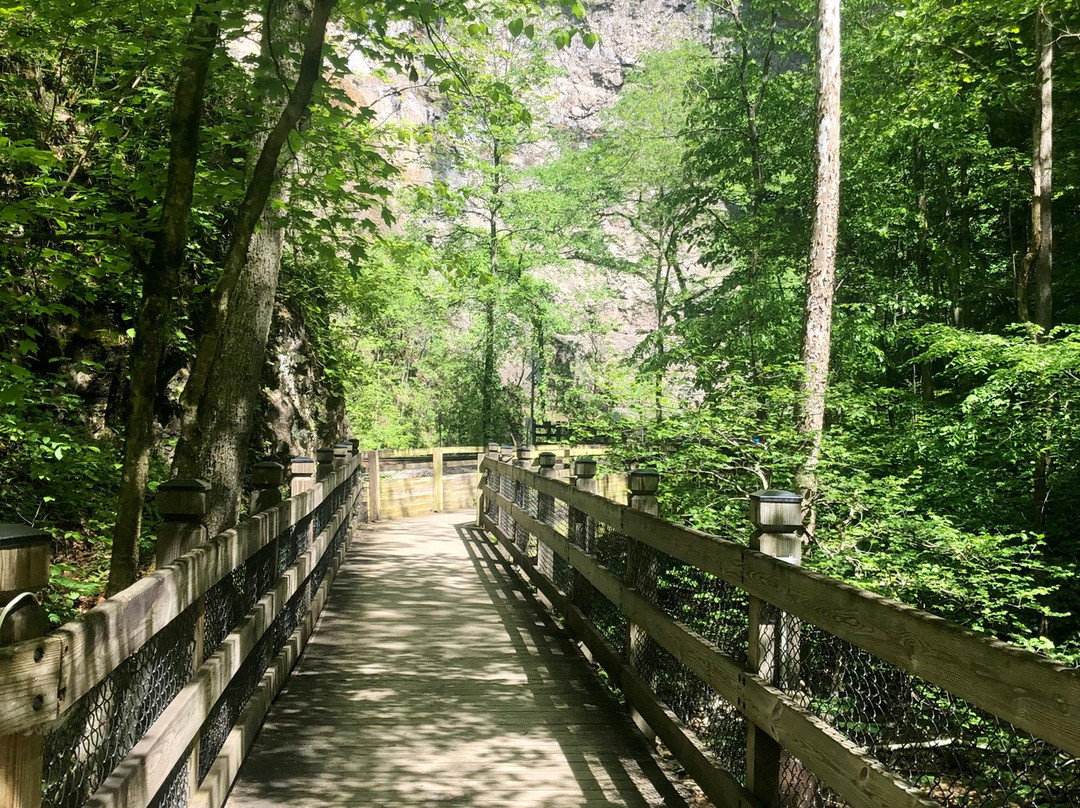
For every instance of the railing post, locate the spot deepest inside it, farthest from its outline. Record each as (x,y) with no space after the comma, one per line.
(436,480)
(481,500)
(373,485)
(641,573)
(341,454)
(25,554)
(266,479)
(355,444)
(545,512)
(324,463)
(183,505)
(581,530)
(777,519)
(301,475)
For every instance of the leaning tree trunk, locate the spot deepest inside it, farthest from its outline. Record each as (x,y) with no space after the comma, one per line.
(160,278)
(219,399)
(821,277)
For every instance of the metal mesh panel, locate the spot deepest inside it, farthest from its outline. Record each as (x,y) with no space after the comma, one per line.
(232,702)
(609,548)
(710,606)
(719,725)
(293,542)
(954,752)
(602,613)
(176,790)
(321,515)
(234,596)
(491,510)
(98,731)
(521,536)
(224,714)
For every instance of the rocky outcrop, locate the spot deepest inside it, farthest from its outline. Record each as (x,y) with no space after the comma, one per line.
(301,411)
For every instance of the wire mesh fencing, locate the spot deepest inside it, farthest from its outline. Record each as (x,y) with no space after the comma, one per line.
(952,752)
(99,730)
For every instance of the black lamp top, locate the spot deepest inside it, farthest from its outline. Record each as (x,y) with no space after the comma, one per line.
(13,536)
(178,484)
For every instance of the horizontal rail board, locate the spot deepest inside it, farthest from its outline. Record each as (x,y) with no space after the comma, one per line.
(1031,692)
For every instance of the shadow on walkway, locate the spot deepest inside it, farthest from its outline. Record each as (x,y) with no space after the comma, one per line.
(434,678)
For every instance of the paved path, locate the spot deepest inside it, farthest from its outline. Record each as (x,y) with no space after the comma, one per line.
(435,680)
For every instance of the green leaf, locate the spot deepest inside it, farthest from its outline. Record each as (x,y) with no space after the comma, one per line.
(516,26)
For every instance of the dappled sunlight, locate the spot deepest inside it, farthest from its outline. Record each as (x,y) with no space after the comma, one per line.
(434,679)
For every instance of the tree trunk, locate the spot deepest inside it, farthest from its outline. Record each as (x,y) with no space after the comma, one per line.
(160,278)
(259,188)
(821,277)
(487,391)
(219,398)
(918,161)
(217,450)
(1038,261)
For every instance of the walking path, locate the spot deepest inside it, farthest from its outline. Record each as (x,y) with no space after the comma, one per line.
(434,679)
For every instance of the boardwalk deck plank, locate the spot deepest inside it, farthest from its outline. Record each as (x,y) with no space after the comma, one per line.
(433,679)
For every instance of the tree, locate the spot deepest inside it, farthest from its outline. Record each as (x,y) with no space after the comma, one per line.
(821,276)
(160,278)
(219,397)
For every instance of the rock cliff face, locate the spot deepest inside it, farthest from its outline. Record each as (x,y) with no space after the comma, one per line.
(586,82)
(628,29)
(300,413)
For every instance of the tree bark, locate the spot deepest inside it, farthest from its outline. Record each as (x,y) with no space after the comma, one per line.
(1038,261)
(194,399)
(821,277)
(160,278)
(219,399)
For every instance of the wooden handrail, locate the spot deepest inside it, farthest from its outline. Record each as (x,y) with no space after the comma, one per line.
(40,679)
(1030,692)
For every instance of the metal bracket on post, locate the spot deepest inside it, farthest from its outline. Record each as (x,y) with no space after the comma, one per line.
(773,652)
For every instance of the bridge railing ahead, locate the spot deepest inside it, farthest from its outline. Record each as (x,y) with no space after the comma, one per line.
(154,696)
(843,698)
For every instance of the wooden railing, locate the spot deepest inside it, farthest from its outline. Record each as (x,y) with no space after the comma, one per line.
(775,686)
(154,696)
(418,481)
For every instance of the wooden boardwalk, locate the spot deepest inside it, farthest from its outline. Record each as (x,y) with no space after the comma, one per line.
(435,679)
